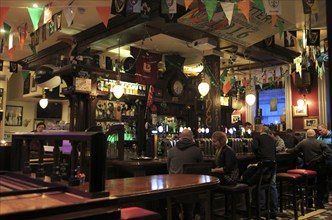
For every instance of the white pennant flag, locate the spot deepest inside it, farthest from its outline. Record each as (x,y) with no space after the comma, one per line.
(69,12)
(228,9)
(272,7)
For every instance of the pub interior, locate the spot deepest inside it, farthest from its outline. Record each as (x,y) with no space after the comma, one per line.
(116,82)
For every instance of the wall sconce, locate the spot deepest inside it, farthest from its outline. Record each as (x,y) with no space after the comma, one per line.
(43,102)
(203,87)
(301,102)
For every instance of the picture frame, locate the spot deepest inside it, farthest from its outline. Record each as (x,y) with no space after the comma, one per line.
(33,85)
(14,115)
(300,110)
(224,101)
(235,118)
(310,123)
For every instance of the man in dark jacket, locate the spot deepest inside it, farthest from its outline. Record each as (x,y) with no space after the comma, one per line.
(314,152)
(184,152)
(265,150)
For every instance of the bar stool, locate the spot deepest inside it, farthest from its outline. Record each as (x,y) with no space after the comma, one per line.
(296,196)
(137,213)
(309,184)
(232,192)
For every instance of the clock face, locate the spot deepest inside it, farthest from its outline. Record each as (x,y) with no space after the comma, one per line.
(177,88)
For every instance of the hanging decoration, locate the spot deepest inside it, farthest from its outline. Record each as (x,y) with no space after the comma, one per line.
(187,3)
(133,6)
(244,7)
(11,52)
(210,7)
(104,13)
(47,13)
(7,29)
(228,8)
(22,30)
(35,14)
(272,7)
(3,14)
(69,12)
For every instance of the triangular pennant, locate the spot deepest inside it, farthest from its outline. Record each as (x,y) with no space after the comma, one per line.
(11,52)
(244,7)
(11,41)
(57,21)
(300,43)
(23,34)
(227,86)
(3,14)
(295,41)
(228,9)
(104,13)
(281,28)
(48,13)
(69,12)
(201,6)
(25,74)
(260,5)
(35,14)
(274,20)
(33,49)
(210,7)
(7,28)
(187,3)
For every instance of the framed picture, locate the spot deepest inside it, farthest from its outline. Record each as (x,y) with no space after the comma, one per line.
(224,101)
(36,121)
(14,115)
(33,85)
(310,123)
(300,110)
(236,118)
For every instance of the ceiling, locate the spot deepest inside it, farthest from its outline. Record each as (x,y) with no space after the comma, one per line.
(156,35)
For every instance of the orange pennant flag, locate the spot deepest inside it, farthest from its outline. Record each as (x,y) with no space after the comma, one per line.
(244,7)
(3,14)
(274,20)
(187,3)
(227,87)
(295,41)
(104,13)
(11,52)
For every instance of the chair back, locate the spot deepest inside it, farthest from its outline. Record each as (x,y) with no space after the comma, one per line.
(197,168)
(267,171)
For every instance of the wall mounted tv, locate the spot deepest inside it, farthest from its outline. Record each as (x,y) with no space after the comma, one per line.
(53,110)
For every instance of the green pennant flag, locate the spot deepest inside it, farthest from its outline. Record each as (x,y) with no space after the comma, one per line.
(281,28)
(210,6)
(35,14)
(7,28)
(300,43)
(25,74)
(233,81)
(260,5)
(224,74)
(33,49)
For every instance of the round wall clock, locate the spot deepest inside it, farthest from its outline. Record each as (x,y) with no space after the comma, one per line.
(177,87)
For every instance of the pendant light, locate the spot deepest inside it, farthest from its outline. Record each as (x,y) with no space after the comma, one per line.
(250,96)
(43,102)
(118,88)
(203,87)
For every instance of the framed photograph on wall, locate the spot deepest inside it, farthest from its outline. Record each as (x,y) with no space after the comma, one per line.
(33,85)
(300,110)
(235,118)
(14,115)
(310,123)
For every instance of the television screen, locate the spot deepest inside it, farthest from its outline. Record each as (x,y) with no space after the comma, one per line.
(53,110)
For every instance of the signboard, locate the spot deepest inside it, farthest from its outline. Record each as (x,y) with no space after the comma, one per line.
(82,85)
(239,31)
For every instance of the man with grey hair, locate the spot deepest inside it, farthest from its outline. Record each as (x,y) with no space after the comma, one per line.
(314,153)
(324,135)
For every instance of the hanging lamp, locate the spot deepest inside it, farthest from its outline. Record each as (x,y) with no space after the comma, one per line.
(203,87)
(43,102)
(118,88)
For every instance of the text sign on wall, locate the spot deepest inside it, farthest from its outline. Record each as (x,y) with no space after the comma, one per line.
(239,31)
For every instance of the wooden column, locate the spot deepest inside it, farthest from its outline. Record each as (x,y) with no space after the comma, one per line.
(211,117)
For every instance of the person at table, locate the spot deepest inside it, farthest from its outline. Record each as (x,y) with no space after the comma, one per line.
(314,159)
(226,165)
(265,150)
(184,152)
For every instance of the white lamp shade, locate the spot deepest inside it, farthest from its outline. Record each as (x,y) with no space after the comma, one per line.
(43,103)
(51,83)
(300,102)
(118,91)
(250,99)
(203,88)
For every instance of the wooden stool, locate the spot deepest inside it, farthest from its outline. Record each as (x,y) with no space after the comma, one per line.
(137,213)
(296,196)
(233,191)
(309,184)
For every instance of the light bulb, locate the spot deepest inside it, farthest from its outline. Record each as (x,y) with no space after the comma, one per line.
(43,103)
(118,91)
(250,99)
(300,102)
(203,88)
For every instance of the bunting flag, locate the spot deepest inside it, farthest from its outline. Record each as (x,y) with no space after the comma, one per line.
(10,41)
(228,9)
(313,37)
(133,6)
(47,13)
(3,14)
(281,28)
(210,7)
(288,38)
(168,7)
(294,39)
(244,7)
(274,20)
(11,52)
(25,74)
(119,7)
(13,67)
(51,27)
(272,7)
(57,21)
(146,9)
(227,87)
(7,29)
(104,13)
(22,34)
(69,13)
(33,49)
(310,6)
(35,14)
(187,3)
(260,5)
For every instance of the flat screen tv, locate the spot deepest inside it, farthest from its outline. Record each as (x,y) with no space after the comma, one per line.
(53,110)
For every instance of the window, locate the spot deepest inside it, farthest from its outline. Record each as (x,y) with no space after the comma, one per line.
(265,97)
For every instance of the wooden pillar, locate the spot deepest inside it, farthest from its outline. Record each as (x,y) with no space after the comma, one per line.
(211,118)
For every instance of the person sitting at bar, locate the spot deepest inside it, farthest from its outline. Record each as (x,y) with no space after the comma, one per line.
(226,165)
(289,139)
(315,152)
(324,135)
(184,152)
(247,130)
(279,142)
(34,145)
